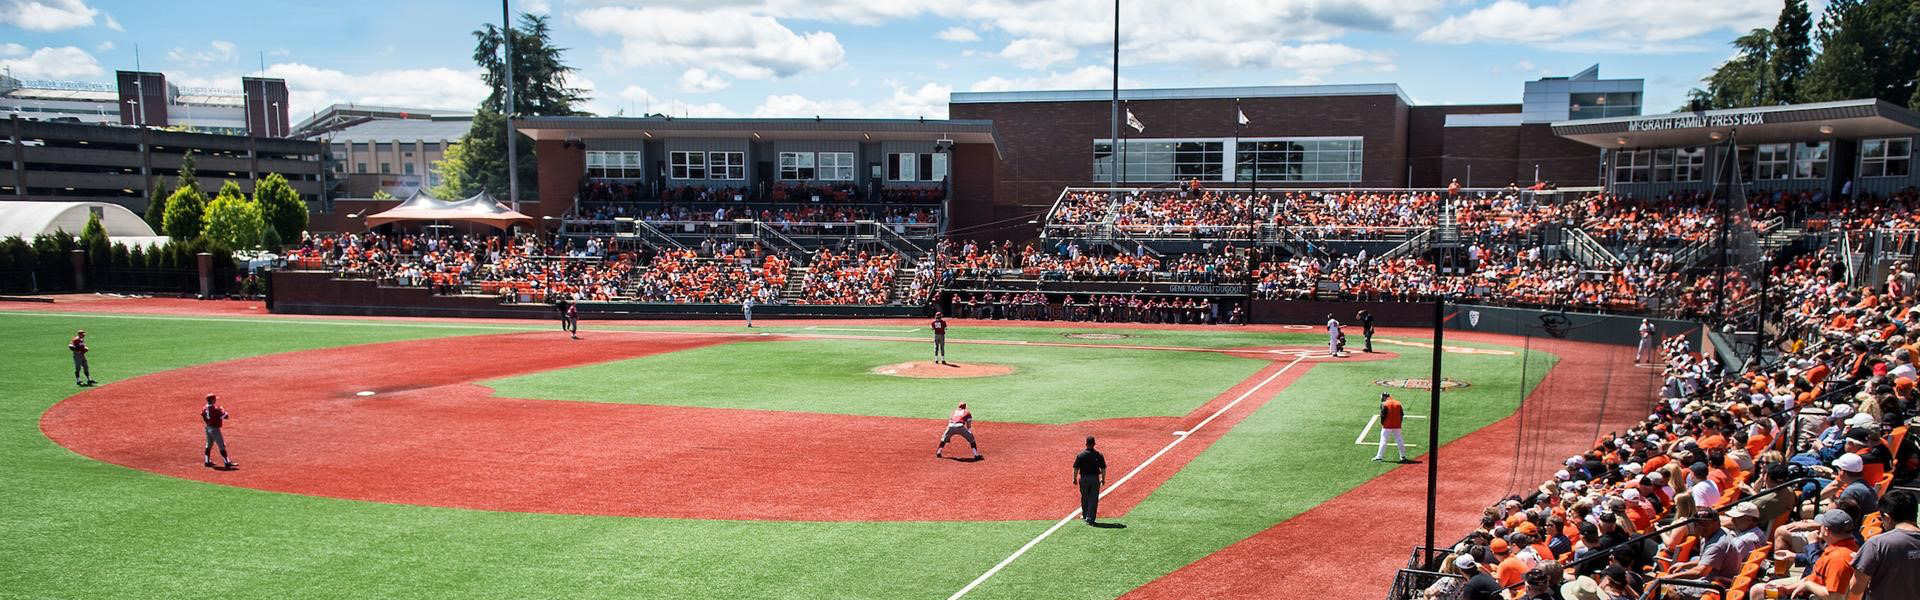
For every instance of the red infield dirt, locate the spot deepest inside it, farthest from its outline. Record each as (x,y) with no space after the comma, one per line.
(1348,548)
(429,436)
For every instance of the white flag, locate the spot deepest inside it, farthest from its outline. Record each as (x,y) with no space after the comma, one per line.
(1135,123)
(1243,116)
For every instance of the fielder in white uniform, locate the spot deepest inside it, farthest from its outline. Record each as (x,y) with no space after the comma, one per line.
(746,309)
(1333,336)
(1644,354)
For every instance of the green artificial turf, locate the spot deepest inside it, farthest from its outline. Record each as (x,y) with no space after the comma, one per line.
(1050,385)
(76,528)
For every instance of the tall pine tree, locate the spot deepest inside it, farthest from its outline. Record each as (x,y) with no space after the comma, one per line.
(1743,80)
(540,88)
(1792,52)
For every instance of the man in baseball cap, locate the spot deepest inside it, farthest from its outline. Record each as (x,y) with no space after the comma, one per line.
(1851,484)
(1719,559)
(1832,573)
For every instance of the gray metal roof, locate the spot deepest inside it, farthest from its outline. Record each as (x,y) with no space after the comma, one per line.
(402,130)
(1260,91)
(554,128)
(1866,117)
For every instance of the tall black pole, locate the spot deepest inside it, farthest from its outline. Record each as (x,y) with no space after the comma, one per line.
(1433,413)
(1113,140)
(513,156)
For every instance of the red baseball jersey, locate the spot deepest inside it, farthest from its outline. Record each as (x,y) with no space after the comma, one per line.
(78,345)
(961,416)
(213,416)
(939,326)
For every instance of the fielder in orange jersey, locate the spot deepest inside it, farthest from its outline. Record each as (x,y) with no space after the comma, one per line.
(959,423)
(1390,415)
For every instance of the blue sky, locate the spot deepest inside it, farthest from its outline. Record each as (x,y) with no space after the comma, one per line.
(882,58)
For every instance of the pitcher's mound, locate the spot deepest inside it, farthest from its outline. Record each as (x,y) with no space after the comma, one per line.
(932,370)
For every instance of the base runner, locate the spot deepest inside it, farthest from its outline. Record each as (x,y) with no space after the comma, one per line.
(939,326)
(1390,415)
(959,423)
(213,417)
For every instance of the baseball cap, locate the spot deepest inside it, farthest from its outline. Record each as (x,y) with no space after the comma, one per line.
(1575,461)
(1860,419)
(1835,519)
(1562,475)
(1743,509)
(1850,463)
(210,396)
(1707,513)
(1528,528)
(1464,561)
(963,405)
(1860,435)
(1499,546)
(1656,478)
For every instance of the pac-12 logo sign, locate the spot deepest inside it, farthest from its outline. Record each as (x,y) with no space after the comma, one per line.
(1473,318)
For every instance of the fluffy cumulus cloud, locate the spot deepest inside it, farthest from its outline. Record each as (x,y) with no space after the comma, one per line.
(928,100)
(1035,53)
(312,88)
(958,34)
(1602,25)
(65,62)
(699,81)
(49,15)
(1092,77)
(739,42)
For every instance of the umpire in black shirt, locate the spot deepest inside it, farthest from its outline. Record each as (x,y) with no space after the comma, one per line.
(1366,324)
(1090,471)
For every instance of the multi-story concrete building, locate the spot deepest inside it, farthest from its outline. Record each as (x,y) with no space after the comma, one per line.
(382,148)
(70,162)
(146,99)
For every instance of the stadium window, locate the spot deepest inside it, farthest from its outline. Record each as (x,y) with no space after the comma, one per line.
(903,166)
(1890,157)
(1631,166)
(407,168)
(1690,164)
(1810,160)
(727,165)
(386,168)
(687,165)
(1772,161)
(797,166)
(1663,165)
(360,167)
(939,168)
(836,166)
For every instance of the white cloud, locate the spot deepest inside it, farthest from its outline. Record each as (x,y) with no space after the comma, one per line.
(65,62)
(699,81)
(1091,77)
(928,100)
(48,15)
(538,7)
(1032,53)
(103,46)
(635,101)
(112,23)
(312,88)
(1602,25)
(958,34)
(218,51)
(734,41)
(12,49)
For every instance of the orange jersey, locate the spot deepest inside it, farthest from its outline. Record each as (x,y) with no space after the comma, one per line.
(1390,414)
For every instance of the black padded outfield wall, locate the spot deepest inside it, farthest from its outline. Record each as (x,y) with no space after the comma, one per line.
(1584,327)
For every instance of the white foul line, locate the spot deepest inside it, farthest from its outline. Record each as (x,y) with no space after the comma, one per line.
(1116,485)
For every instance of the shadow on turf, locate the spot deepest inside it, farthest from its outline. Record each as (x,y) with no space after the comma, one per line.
(965,459)
(1108,525)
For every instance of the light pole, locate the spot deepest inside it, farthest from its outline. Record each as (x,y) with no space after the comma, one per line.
(270,120)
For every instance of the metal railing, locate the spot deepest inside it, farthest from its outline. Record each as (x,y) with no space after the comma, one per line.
(1417,244)
(1587,250)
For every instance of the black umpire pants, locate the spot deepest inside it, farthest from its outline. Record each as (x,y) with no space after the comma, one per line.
(1089,497)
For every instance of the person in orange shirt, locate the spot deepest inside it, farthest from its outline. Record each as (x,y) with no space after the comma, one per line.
(1832,576)
(1512,570)
(1391,414)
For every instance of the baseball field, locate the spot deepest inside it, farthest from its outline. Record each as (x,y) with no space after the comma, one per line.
(500,459)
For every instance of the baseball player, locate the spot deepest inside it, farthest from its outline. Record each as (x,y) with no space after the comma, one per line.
(573,319)
(1644,353)
(1333,336)
(1390,415)
(939,326)
(79,347)
(959,423)
(746,309)
(213,417)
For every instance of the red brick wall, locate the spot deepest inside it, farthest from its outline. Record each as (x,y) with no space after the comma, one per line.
(1426,138)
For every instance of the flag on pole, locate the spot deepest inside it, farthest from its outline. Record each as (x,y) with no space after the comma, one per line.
(1135,123)
(1243,116)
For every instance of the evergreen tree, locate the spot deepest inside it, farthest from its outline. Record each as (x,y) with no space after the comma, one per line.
(184,211)
(1837,73)
(156,215)
(286,214)
(93,239)
(1743,80)
(540,88)
(234,221)
(1792,52)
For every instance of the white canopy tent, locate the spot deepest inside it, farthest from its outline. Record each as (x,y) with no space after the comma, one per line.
(28,219)
(481,208)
